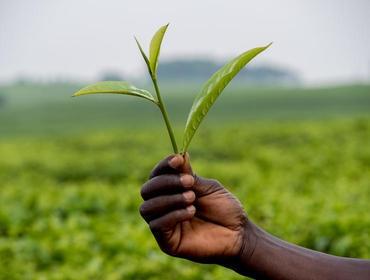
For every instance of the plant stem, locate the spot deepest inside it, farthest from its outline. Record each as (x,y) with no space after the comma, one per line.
(165,115)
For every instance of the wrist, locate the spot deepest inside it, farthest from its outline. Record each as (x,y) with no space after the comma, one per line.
(249,239)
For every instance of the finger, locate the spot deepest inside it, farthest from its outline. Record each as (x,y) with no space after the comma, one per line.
(169,221)
(161,205)
(166,184)
(169,165)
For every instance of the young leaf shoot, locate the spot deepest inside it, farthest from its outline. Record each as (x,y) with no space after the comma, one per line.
(123,87)
(202,103)
(155,48)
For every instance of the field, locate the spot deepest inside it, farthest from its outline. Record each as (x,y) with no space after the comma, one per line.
(71,171)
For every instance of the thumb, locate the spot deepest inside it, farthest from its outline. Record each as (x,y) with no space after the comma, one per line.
(202,186)
(186,167)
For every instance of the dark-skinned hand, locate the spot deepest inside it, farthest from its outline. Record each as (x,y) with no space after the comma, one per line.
(198,219)
(190,216)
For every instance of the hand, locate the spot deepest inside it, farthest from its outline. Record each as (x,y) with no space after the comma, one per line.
(198,219)
(192,217)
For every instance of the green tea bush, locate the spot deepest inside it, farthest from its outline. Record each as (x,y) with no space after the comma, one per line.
(69,206)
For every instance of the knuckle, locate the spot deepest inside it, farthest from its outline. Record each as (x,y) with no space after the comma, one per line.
(143,191)
(155,171)
(143,210)
(154,226)
(160,167)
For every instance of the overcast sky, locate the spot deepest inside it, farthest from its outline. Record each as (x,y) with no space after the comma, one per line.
(326,41)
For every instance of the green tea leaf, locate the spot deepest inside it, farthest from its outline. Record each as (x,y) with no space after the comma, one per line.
(143,55)
(155,47)
(212,89)
(115,87)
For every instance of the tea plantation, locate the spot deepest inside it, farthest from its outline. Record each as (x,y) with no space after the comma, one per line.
(70,177)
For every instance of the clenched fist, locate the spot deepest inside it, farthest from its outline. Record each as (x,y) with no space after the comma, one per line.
(192,217)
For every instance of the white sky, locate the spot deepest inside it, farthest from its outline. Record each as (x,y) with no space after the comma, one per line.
(324,40)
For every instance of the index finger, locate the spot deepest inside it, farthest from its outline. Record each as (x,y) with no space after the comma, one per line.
(170,165)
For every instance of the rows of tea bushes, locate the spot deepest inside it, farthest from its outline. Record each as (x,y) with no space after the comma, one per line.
(69,204)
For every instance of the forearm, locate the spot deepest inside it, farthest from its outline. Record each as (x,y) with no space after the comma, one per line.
(267,257)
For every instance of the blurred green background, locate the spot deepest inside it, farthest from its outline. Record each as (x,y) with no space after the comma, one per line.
(290,136)
(71,170)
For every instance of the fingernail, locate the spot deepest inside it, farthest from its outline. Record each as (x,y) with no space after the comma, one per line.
(187,180)
(191,209)
(176,161)
(189,196)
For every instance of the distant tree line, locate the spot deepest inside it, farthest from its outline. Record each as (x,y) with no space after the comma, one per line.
(199,70)
(111,75)
(202,69)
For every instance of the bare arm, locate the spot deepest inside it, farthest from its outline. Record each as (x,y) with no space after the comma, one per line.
(198,219)
(267,257)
